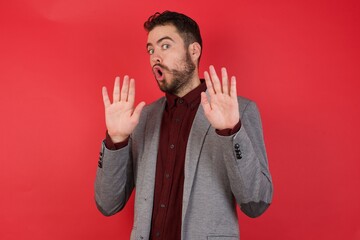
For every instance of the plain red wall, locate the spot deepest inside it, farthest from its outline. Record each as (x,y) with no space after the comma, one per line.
(299,60)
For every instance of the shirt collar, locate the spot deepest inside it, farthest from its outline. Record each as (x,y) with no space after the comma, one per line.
(189,99)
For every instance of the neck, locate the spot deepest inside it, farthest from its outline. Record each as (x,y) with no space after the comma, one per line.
(193,83)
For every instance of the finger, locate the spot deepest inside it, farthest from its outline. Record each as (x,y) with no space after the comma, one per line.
(137,111)
(233,91)
(125,89)
(131,97)
(215,80)
(205,103)
(105,96)
(116,91)
(225,80)
(209,84)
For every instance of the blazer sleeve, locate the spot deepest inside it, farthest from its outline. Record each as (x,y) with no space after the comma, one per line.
(247,165)
(114,179)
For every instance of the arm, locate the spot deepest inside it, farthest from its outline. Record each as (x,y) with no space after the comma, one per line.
(244,152)
(115,178)
(247,165)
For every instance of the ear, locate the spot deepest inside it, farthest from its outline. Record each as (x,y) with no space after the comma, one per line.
(195,51)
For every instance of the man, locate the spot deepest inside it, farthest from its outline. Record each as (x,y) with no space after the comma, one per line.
(190,164)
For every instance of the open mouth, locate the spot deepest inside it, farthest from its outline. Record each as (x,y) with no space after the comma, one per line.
(158,72)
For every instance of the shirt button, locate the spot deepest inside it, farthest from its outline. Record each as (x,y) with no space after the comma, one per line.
(163,205)
(158,234)
(177,120)
(181,101)
(167,175)
(172,146)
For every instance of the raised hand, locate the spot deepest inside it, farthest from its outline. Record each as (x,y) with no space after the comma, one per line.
(222,109)
(120,116)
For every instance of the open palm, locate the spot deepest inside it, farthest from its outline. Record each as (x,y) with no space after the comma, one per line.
(120,116)
(222,109)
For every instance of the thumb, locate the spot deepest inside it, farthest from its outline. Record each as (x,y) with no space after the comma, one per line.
(137,110)
(205,103)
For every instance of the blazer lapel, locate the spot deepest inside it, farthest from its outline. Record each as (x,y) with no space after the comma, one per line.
(196,139)
(152,134)
(145,189)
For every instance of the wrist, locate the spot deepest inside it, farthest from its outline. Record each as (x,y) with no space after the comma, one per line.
(117,138)
(229,131)
(114,146)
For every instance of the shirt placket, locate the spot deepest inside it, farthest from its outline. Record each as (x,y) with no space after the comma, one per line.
(174,134)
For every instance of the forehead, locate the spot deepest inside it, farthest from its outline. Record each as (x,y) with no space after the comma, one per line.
(160,32)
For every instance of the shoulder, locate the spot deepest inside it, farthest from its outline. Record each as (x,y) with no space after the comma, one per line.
(149,115)
(248,109)
(243,100)
(154,106)
(245,103)
(151,110)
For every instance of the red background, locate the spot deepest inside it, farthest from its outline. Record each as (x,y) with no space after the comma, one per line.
(299,60)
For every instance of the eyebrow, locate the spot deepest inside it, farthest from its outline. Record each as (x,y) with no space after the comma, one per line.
(160,40)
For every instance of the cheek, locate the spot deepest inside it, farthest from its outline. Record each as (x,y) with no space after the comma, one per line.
(177,63)
(174,59)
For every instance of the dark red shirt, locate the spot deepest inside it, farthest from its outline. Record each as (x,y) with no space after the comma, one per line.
(176,123)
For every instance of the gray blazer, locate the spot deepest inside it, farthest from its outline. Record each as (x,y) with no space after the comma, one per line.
(220,171)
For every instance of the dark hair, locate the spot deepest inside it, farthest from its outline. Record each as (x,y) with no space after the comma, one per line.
(187,27)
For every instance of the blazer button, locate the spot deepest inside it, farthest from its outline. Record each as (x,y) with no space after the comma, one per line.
(237,146)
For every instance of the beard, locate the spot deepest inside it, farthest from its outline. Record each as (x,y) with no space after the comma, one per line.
(181,79)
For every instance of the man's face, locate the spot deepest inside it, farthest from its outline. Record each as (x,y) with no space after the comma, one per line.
(171,63)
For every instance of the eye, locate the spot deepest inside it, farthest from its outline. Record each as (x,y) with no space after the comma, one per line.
(165,46)
(150,51)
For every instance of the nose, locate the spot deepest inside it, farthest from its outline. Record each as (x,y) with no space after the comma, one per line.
(155,58)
